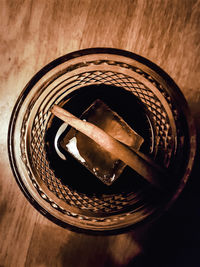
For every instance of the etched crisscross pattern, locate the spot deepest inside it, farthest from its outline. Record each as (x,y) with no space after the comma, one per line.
(108,203)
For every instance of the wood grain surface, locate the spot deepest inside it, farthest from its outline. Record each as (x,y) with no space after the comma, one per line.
(33,33)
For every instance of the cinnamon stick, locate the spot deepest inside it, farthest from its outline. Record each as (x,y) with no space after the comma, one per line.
(136,160)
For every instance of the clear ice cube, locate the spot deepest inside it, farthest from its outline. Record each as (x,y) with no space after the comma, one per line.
(96,159)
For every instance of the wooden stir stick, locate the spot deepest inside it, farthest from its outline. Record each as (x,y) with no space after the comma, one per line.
(139,162)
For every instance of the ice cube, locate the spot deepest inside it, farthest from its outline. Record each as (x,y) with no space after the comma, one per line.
(101,163)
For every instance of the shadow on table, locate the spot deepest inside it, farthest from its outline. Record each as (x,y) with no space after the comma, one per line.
(174,241)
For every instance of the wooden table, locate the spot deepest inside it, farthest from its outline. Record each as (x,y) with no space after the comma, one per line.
(34,33)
